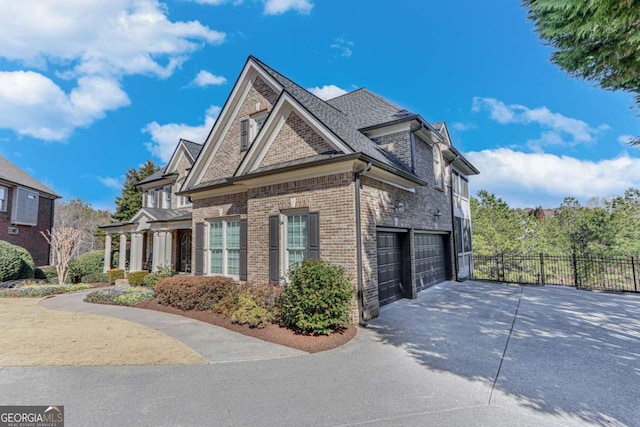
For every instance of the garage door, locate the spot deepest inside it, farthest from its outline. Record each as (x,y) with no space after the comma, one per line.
(390,286)
(431,260)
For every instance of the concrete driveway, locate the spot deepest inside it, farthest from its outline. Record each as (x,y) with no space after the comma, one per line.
(461,354)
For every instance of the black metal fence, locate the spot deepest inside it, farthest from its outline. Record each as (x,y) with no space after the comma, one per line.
(612,274)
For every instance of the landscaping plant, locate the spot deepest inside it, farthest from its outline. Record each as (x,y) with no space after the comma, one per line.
(87,263)
(115,274)
(163,272)
(317,299)
(136,278)
(193,292)
(10,261)
(128,297)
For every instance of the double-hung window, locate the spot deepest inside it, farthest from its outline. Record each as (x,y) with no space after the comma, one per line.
(297,239)
(224,247)
(152,199)
(4,194)
(166,200)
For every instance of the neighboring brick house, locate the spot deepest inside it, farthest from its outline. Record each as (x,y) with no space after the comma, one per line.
(26,209)
(160,233)
(355,180)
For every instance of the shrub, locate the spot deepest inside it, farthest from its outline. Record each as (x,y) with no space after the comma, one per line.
(78,287)
(255,305)
(115,274)
(37,290)
(317,299)
(128,297)
(115,259)
(87,263)
(39,274)
(10,261)
(28,266)
(136,278)
(193,292)
(248,312)
(162,273)
(50,272)
(95,277)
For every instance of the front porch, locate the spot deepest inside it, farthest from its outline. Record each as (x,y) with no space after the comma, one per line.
(151,240)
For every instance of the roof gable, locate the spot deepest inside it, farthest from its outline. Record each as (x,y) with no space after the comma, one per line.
(366,109)
(181,153)
(13,174)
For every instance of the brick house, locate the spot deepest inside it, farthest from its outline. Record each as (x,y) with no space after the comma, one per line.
(355,180)
(26,208)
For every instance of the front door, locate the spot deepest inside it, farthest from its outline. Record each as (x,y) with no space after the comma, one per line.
(185,251)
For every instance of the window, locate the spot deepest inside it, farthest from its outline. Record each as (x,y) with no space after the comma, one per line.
(4,194)
(152,199)
(257,121)
(437,166)
(183,201)
(166,200)
(460,185)
(296,242)
(224,247)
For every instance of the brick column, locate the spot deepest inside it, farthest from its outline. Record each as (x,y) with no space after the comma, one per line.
(107,252)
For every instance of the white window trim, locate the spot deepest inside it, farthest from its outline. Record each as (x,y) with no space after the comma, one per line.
(207,263)
(3,203)
(284,220)
(183,202)
(166,203)
(253,124)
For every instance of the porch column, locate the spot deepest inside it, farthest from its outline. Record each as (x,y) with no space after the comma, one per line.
(156,251)
(136,252)
(107,253)
(122,260)
(167,248)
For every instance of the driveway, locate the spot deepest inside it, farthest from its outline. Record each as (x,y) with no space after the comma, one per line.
(461,354)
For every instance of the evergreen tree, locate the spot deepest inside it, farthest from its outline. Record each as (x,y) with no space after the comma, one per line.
(595,40)
(130,202)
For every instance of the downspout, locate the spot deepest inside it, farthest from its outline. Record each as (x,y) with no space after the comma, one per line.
(357,176)
(453,221)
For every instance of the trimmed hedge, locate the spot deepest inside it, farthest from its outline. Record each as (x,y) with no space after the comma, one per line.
(27,271)
(115,274)
(95,277)
(317,299)
(136,278)
(10,261)
(193,292)
(87,263)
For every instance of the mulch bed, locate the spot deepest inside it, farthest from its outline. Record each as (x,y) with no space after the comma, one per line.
(271,333)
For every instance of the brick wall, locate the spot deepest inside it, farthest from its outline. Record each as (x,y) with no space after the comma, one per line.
(296,140)
(398,145)
(228,156)
(29,237)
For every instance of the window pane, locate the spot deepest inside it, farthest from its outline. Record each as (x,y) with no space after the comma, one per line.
(296,237)
(216,261)
(233,261)
(215,245)
(233,247)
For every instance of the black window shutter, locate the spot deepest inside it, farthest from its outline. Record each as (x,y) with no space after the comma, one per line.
(199,249)
(314,235)
(274,248)
(244,134)
(243,249)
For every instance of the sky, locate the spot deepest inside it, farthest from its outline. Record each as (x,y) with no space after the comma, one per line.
(91,89)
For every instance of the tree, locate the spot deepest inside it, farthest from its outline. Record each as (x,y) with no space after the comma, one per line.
(80,215)
(594,40)
(130,202)
(63,241)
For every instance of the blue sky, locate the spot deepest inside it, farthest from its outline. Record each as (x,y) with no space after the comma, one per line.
(90,90)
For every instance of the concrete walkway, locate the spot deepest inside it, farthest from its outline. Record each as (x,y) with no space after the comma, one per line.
(215,344)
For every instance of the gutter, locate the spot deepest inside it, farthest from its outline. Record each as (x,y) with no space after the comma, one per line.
(453,224)
(357,176)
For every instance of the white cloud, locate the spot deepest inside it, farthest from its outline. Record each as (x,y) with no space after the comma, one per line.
(278,7)
(529,179)
(327,91)
(110,182)
(344,46)
(164,138)
(462,127)
(33,105)
(205,78)
(625,139)
(557,125)
(95,43)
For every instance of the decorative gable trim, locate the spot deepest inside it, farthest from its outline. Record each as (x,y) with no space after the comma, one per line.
(285,105)
(230,109)
(180,150)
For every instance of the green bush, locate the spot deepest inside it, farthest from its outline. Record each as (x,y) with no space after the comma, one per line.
(39,274)
(317,299)
(95,277)
(136,278)
(255,305)
(37,290)
(50,272)
(10,261)
(78,287)
(115,259)
(128,297)
(87,263)
(115,274)
(193,292)
(248,312)
(162,273)
(28,266)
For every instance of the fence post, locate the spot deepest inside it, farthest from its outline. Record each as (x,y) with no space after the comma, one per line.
(502,262)
(633,268)
(542,268)
(575,270)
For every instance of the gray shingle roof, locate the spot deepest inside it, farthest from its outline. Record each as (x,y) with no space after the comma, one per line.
(13,174)
(337,121)
(366,109)
(192,147)
(168,214)
(154,176)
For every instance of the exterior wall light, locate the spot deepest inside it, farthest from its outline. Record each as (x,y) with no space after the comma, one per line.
(399,208)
